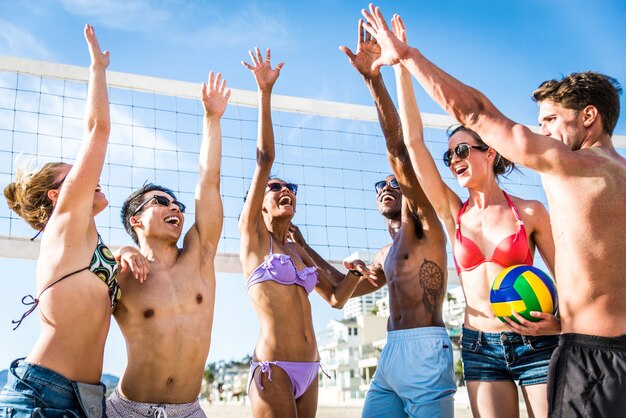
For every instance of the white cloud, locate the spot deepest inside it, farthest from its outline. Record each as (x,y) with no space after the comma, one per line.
(16,41)
(129,15)
(183,23)
(246,27)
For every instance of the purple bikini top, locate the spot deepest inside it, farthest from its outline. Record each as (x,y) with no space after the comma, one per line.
(281,269)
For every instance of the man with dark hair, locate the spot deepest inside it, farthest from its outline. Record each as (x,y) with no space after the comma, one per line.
(579,90)
(415,374)
(133,205)
(585,182)
(167,320)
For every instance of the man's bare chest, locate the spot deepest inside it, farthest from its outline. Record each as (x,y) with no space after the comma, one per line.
(163,295)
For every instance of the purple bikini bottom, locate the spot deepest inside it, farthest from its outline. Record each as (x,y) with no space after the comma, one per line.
(301,373)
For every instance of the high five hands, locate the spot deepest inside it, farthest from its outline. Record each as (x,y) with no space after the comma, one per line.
(367,53)
(379,45)
(363,271)
(358,266)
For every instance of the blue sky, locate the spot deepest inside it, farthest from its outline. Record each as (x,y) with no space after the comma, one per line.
(504,49)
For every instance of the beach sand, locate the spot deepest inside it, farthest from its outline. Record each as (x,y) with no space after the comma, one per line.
(244,411)
(461,409)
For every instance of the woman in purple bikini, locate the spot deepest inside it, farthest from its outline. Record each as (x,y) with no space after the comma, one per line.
(285,365)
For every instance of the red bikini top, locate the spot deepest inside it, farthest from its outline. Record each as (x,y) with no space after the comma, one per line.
(510,251)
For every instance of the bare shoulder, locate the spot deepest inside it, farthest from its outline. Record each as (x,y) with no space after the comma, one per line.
(598,158)
(381,255)
(195,247)
(529,207)
(533,213)
(609,158)
(196,256)
(125,278)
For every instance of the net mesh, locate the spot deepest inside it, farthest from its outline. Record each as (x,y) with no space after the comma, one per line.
(156,135)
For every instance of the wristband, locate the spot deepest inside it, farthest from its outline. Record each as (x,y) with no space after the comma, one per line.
(356,273)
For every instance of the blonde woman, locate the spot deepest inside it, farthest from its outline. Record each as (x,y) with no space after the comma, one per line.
(76,273)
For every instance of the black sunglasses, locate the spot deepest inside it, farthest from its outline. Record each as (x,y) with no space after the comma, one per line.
(462,151)
(379,185)
(161,201)
(58,183)
(275,187)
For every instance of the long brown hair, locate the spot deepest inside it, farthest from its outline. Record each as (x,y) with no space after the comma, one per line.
(28,194)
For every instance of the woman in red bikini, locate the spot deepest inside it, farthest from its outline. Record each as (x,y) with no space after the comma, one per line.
(285,363)
(490,231)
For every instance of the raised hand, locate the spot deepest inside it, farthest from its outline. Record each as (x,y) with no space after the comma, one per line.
(367,52)
(398,28)
(392,49)
(215,95)
(98,58)
(264,75)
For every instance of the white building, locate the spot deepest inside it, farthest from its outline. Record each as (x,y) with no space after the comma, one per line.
(350,348)
(366,304)
(342,347)
(454,310)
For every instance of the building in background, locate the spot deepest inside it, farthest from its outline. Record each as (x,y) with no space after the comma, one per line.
(342,348)
(366,304)
(350,348)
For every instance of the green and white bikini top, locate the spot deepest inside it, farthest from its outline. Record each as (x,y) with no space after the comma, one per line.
(102,264)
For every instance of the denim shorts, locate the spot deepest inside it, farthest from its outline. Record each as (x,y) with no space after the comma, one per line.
(493,356)
(34,391)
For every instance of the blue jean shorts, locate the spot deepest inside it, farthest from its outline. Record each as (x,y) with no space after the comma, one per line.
(493,356)
(34,391)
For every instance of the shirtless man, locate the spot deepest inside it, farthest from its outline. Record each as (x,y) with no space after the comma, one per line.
(415,374)
(167,320)
(585,183)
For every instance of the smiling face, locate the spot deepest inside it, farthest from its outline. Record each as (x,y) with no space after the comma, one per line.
(281,202)
(477,166)
(156,219)
(565,125)
(389,199)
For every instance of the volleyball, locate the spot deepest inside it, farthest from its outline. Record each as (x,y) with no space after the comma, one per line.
(522,289)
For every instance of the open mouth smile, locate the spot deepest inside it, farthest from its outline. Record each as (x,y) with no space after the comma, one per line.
(285,201)
(387,197)
(172,220)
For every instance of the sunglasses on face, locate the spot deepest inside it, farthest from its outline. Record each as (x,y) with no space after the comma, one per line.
(462,151)
(276,187)
(161,201)
(379,185)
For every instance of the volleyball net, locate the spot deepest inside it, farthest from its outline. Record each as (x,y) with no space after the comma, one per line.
(334,151)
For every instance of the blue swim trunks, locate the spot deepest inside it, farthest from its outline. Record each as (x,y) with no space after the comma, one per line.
(414,377)
(493,356)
